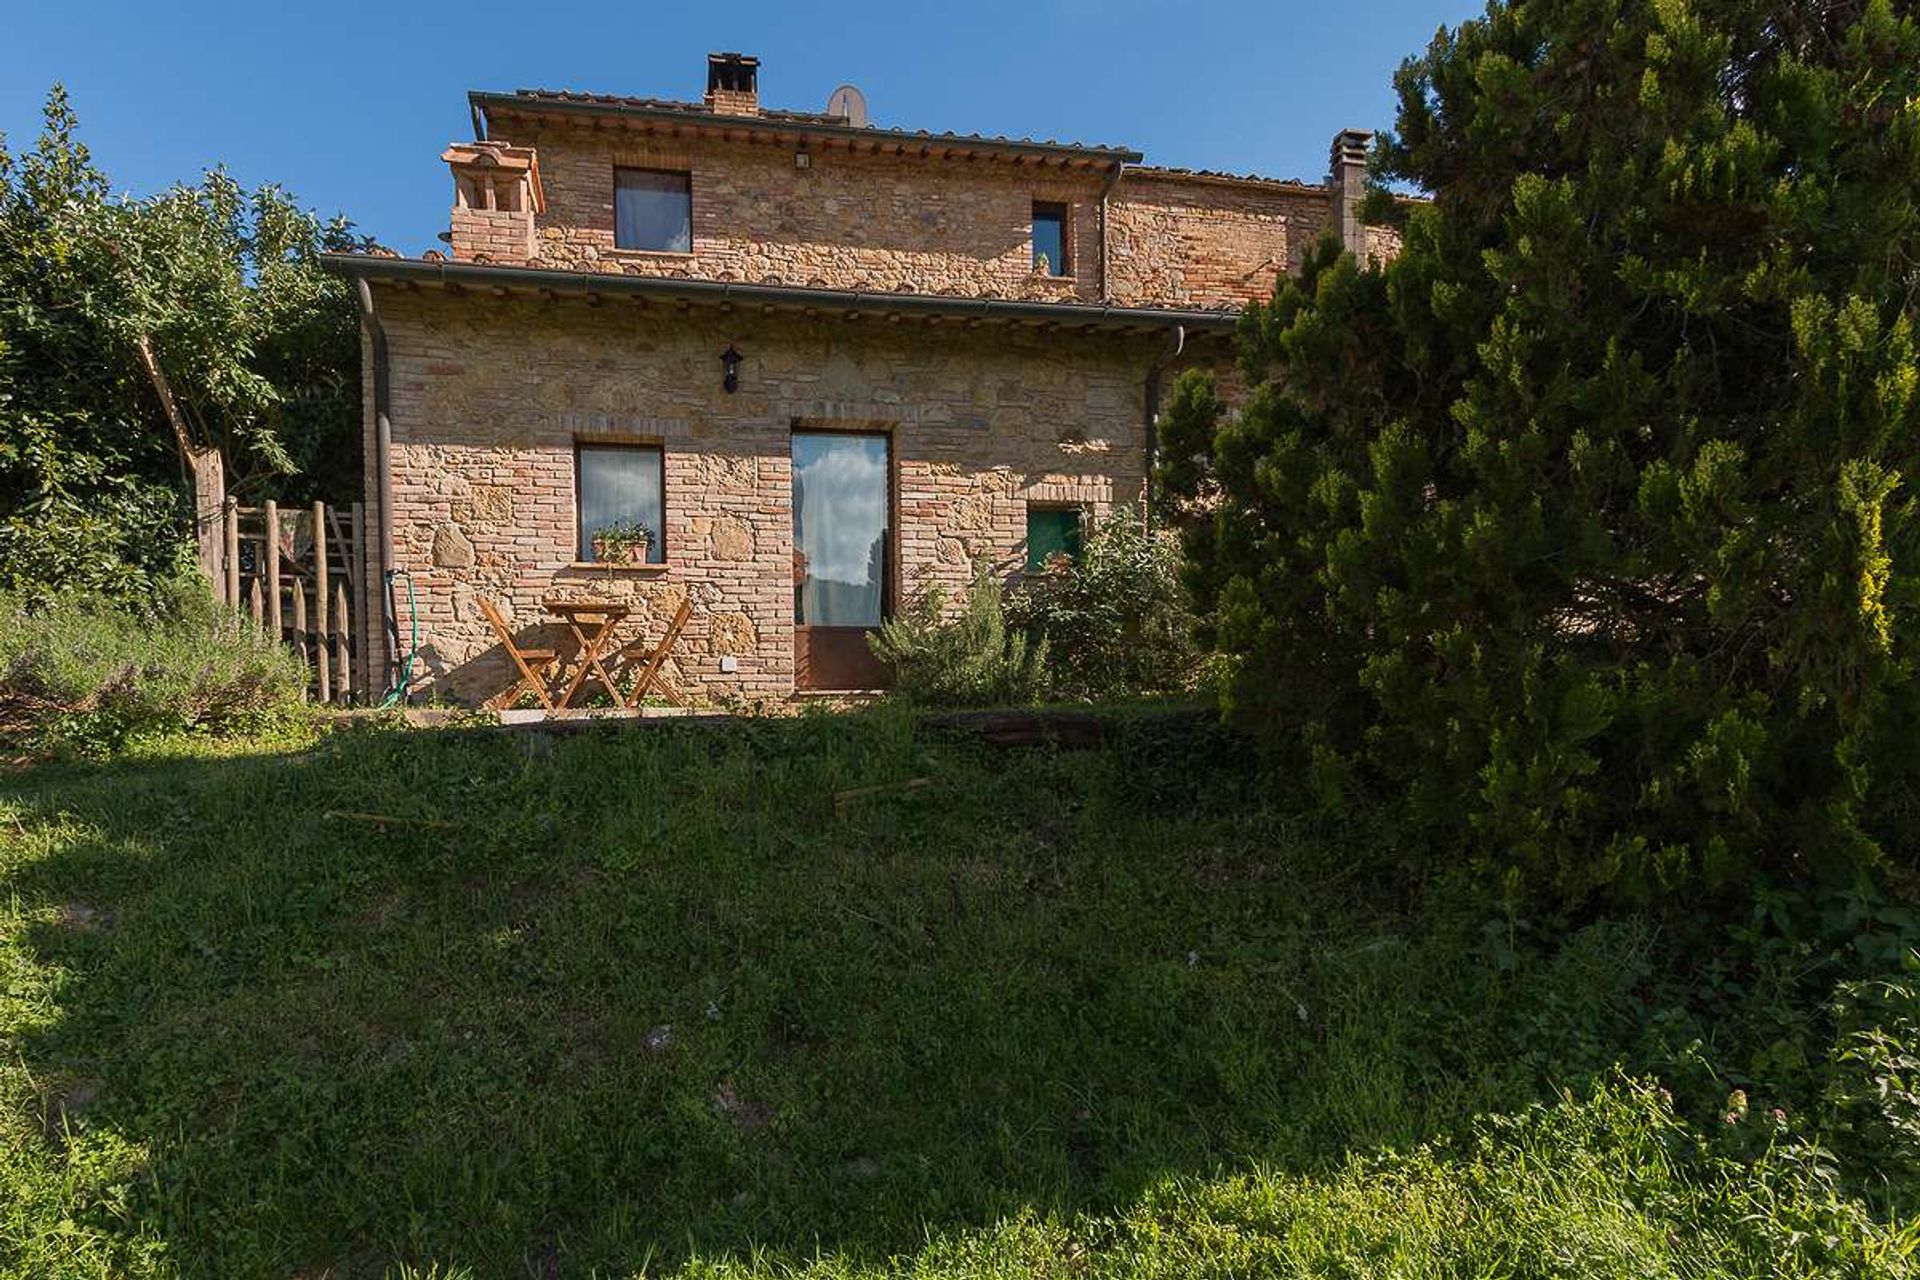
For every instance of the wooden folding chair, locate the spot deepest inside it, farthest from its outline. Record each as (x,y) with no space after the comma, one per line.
(655,657)
(533,663)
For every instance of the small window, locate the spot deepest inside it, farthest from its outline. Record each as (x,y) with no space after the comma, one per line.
(1050,240)
(652,210)
(620,486)
(1052,531)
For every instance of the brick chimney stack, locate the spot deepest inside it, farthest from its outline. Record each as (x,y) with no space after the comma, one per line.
(1347,184)
(496,193)
(733,84)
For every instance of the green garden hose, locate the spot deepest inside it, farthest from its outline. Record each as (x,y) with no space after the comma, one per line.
(399,688)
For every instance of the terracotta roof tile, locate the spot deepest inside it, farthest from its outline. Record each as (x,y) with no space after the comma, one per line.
(804,119)
(1218,175)
(670,104)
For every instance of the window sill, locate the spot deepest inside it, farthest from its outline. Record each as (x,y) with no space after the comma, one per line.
(648,255)
(601,566)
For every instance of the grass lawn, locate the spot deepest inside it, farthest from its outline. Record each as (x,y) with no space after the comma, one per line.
(646,1001)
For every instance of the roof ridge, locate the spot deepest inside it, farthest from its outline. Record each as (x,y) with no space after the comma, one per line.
(535,98)
(1223,175)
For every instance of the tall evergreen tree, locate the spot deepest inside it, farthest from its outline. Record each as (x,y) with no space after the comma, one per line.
(1588,524)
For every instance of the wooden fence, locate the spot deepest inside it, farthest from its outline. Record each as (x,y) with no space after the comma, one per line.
(295,572)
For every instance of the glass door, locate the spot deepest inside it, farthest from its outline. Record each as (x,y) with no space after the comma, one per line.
(842,509)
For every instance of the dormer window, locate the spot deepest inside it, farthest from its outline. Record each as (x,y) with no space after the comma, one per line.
(653,210)
(1050,240)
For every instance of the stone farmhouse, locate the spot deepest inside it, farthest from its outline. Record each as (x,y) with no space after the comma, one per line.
(821,362)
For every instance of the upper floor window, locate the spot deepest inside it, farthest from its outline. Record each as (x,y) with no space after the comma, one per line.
(1050,239)
(652,210)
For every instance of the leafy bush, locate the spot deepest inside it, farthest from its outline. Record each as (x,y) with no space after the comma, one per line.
(259,346)
(1587,525)
(1875,1070)
(969,659)
(1116,620)
(89,673)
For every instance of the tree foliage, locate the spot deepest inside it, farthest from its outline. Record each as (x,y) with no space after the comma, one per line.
(1587,525)
(1115,620)
(257,344)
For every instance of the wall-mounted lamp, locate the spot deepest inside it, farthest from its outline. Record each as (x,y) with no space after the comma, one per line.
(801,159)
(731,359)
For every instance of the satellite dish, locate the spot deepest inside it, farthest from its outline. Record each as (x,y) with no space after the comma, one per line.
(849,102)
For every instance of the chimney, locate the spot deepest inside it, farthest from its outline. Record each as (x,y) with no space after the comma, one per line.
(496,194)
(733,84)
(1346,184)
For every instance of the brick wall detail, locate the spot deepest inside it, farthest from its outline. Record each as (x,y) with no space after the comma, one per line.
(1181,240)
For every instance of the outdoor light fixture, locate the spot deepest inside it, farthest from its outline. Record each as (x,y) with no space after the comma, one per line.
(731,359)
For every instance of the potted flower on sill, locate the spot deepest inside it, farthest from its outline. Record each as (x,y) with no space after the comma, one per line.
(622,542)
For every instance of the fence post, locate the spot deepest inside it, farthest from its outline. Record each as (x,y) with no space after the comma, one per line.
(209,507)
(272,510)
(231,545)
(323,639)
(254,603)
(343,645)
(300,619)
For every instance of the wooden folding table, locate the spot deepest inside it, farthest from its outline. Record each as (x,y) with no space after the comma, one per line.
(592,623)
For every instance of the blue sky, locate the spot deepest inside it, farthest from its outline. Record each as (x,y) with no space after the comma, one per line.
(350,105)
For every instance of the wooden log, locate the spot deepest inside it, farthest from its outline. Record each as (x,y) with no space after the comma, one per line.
(323,636)
(272,510)
(230,544)
(343,546)
(256,607)
(1024,728)
(343,645)
(209,505)
(841,799)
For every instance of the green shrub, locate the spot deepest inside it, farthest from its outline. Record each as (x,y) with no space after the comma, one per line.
(1874,1075)
(971,658)
(1115,621)
(86,672)
(1586,527)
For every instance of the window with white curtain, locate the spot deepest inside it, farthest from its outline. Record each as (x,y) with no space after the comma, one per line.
(653,209)
(620,484)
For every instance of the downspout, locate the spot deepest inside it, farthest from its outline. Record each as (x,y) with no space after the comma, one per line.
(1106,190)
(1176,343)
(383,448)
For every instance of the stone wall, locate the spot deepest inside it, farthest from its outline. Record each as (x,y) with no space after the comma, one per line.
(846,221)
(1190,240)
(911,223)
(491,395)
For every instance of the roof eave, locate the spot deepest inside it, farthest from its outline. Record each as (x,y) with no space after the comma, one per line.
(486,101)
(492,275)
